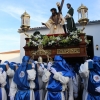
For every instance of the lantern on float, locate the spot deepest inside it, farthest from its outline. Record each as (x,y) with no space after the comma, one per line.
(25,22)
(83,16)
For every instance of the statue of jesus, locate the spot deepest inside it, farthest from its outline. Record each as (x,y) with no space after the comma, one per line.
(55,22)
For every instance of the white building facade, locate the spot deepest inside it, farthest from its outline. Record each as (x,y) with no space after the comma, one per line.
(11,56)
(92,29)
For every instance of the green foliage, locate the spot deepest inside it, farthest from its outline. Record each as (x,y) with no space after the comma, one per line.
(60,40)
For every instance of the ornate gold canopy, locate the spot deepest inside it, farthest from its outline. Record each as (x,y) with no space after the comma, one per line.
(40,52)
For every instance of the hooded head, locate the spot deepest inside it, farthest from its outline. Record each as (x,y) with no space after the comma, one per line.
(12,66)
(7,62)
(12,63)
(58,58)
(61,66)
(25,59)
(20,77)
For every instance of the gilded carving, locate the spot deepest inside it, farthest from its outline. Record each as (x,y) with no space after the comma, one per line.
(68,51)
(42,52)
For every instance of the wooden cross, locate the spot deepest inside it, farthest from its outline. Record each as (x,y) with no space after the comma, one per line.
(62,2)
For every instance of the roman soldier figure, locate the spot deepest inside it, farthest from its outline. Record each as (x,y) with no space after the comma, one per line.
(69,18)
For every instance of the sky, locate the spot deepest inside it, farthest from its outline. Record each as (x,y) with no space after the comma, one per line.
(39,10)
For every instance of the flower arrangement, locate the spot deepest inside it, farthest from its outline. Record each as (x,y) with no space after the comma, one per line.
(62,41)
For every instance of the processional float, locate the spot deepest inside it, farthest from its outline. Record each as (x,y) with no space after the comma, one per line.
(76,51)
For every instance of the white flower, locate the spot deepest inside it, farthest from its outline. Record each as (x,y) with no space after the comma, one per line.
(36,44)
(58,38)
(52,42)
(74,36)
(35,36)
(75,31)
(67,38)
(72,33)
(33,42)
(40,41)
(79,31)
(38,36)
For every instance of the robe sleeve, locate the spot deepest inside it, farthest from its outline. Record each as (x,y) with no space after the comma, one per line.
(49,23)
(3,78)
(13,89)
(58,76)
(46,75)
(32,84)
(40,71)
(62,20)
(31,74)
(84,72)
(75,86)
(10,72)
(70,87)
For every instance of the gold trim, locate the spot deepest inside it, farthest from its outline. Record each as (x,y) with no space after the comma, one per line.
(41,52)
(68,51)
(25,14)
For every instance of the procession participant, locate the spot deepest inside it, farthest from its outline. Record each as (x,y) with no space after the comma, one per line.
(56,79)
(38,90)
(10,74)
(69,18)
(48,67)
(75,80)
(90,72)
(22,85)
(69,87)
(55,22)
(13,66)
(10,70)
(3,95)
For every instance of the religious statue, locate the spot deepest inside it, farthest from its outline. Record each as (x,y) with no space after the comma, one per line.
(69,18)
(55,22)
